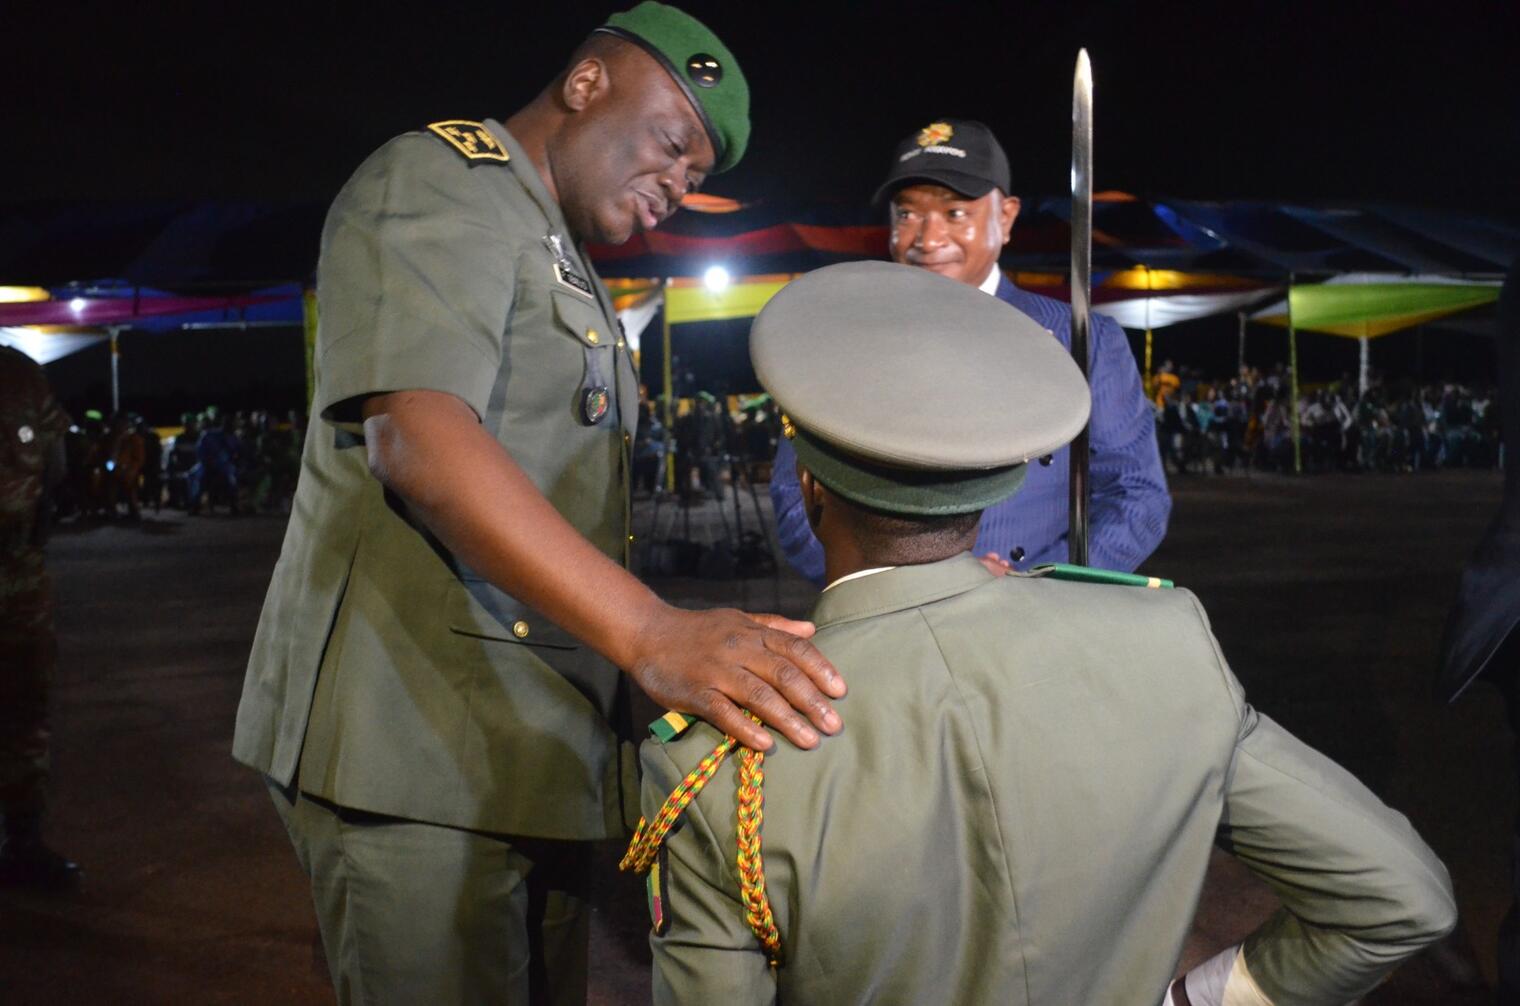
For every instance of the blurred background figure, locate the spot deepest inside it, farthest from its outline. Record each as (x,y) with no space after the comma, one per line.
(218,452)
(648,451)
(32,428)
(278,463)
(181,466)
(124,456)
(151,492)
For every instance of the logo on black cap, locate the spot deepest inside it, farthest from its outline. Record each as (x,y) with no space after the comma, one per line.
(704,70)
(934,134)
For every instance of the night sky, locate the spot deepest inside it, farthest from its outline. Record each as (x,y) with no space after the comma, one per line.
(1327,101)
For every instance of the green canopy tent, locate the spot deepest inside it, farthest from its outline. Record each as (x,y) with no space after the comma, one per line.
(1364,306)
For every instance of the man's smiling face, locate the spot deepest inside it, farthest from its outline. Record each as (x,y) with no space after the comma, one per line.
(941,230)
(636,147)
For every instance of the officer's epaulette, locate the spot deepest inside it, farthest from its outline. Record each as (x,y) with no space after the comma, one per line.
(670,726)
(1088,574)
(472,140)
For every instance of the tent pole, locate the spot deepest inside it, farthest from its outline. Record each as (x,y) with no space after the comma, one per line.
(670,455)
(115,372)
(1364,370)
(1298,455)
(1240,352)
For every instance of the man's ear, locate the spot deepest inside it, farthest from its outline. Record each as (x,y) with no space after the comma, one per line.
(584,83)
(812,496)
(1008,212)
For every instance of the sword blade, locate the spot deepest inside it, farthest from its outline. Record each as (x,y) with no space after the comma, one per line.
(1081,287)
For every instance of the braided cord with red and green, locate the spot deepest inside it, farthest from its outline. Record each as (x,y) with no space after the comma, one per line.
(648,837)
(646,843)
(757,906)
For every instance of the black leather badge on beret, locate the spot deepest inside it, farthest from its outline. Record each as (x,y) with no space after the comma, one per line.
(704,70)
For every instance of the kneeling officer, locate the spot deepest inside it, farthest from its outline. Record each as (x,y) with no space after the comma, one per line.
(1036,766)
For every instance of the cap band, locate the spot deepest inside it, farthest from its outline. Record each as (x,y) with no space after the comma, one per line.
(905,490)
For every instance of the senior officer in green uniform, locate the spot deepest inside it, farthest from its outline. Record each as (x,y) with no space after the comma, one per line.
(1022,807)
(434,684)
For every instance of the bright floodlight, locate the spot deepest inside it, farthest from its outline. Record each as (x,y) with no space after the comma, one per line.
(77,304)
(715,278)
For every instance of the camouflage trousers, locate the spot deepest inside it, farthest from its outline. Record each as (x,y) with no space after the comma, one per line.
(28,652)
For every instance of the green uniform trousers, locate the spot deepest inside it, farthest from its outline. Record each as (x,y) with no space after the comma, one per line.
(420,913)
(28,652)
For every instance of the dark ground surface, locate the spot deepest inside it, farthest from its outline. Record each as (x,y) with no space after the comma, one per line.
(1328,595)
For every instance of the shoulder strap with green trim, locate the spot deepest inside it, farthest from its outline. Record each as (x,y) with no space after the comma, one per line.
(1088,574)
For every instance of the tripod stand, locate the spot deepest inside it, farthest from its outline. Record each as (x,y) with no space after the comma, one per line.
(738,552)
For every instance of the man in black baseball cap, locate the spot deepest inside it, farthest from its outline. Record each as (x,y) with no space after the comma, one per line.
(960,154)
(951,210)
(954,172)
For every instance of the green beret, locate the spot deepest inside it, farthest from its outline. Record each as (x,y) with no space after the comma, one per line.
(700,64)
(911,393)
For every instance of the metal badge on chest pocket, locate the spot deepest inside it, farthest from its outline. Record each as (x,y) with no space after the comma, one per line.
(593,400)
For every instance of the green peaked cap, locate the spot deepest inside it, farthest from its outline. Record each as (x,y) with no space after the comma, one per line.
(701,64)
(911,393)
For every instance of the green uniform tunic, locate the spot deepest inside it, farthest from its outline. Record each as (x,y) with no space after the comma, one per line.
(1020,810)
(387,676)
(31,424)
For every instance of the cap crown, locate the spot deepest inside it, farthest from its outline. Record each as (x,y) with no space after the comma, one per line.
(909,369)
(960,154)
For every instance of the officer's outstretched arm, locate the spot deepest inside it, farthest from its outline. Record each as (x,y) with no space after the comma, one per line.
(1360,891)
(429,448)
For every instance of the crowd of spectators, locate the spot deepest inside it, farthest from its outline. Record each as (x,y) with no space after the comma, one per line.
(238,462)
(1246,422)
(711,440)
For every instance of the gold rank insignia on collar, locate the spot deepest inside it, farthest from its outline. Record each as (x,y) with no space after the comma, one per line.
(472,139)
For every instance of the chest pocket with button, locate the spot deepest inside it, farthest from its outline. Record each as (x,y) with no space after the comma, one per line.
(595,398)
(607,368)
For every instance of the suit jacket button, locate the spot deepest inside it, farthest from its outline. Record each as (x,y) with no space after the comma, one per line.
(520,629)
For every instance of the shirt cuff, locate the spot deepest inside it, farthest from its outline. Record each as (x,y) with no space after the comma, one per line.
(1224,980)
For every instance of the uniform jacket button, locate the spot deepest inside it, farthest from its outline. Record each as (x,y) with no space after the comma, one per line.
(520,629)
(1017,554)
(592,336)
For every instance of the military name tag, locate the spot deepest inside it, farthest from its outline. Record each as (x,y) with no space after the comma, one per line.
(569,277)
(564,270)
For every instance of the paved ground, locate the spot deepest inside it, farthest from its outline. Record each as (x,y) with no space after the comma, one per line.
(1327,593)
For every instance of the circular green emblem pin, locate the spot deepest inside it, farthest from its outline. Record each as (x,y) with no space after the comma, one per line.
(594,404)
